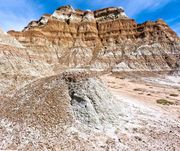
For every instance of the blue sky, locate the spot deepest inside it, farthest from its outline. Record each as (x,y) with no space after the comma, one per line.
(16,14)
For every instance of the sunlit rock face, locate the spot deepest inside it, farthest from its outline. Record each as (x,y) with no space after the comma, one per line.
(99,40)
(106,38)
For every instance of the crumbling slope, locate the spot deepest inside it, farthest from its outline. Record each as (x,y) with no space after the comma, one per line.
(76,111)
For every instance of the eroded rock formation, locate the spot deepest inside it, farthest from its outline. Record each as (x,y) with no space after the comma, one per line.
(101,39)
(18,65)
(42,107)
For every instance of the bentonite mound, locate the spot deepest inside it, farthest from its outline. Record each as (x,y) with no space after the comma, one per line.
(50,113)
(75,111)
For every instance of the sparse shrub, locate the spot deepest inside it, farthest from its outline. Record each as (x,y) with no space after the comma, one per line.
(137,89)
(164,102)
(175,95)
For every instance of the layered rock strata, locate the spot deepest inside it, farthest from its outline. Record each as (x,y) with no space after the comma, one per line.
(101,39)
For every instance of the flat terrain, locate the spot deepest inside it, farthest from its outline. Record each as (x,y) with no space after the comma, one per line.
(147,91)
(151,109)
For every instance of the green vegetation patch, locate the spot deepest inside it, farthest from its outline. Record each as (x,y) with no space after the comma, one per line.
(138,89)
(164,102)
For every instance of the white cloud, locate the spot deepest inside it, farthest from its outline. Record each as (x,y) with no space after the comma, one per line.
(173,19)
(134,7)
(16,14)
(176,28)
(11,21)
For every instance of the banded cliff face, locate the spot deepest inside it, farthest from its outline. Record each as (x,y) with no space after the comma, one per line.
(101,39)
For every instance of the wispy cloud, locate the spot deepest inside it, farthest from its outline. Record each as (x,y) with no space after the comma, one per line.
(134,7)
(176,27)
(15,14)
(173,19)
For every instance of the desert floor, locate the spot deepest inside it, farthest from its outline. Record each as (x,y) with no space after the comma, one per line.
(147,91)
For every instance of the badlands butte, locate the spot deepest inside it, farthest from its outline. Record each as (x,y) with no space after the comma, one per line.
(90,81)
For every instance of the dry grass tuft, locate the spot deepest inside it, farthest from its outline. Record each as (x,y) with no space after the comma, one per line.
(174,95)
(164,102)
(137,89)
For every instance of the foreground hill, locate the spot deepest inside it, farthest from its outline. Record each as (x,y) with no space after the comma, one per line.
(76,111)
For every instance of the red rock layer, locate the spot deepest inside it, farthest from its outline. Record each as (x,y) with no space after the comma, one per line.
(68,36)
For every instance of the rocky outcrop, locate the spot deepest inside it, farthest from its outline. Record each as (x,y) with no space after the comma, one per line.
(101,39)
